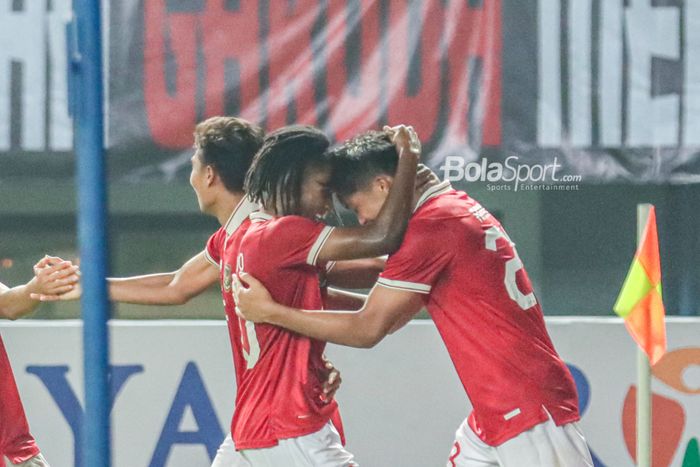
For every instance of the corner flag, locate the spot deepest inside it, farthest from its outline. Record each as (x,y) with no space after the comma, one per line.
(640,302)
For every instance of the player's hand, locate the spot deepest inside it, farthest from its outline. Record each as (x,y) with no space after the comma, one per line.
(425,180)
(251,297)
(404,138)
(55,279)
(332,383)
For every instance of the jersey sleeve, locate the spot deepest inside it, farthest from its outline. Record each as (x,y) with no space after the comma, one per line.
(417,264)
(214,247)
(299,240)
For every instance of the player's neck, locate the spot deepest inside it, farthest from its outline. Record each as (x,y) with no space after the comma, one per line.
(225,205)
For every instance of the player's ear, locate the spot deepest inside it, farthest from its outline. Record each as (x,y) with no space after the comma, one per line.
(383,182)
(211,175)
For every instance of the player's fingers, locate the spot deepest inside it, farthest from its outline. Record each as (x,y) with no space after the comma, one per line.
(63,272)
(60,290)
(48,260)
(330,389)
(250,282)
(42,271)
(236,288)
(63,284)
(394,131)
(56,266)
(332,377)
(60,275)
(414,141)
(422,171)
(44,297)
(246,279)
(43,262)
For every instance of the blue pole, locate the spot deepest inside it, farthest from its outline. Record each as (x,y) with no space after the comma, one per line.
(86,63)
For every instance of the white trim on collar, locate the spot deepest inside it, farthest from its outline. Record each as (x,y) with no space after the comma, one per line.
(240,213)
(432,192)
(259,216)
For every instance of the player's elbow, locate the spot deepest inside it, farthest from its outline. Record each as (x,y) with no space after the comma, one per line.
(177,293)
(178,297)
(368,343)
(370,338)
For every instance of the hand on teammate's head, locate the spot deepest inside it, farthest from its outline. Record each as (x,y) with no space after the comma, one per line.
(405,138)
(425,179)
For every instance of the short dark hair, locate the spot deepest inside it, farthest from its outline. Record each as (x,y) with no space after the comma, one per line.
(277,172)
(358,160)
(228,144)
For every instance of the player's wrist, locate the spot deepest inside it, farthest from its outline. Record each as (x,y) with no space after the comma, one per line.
(273,313)
(31,287)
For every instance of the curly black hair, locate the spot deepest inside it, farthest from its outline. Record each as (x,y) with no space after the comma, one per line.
(277,172)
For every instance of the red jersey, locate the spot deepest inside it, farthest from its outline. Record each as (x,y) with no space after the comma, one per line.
(481,300)
(281,374)
(239,221)
(16,443)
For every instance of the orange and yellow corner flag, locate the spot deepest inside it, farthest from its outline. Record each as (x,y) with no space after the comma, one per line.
(640,302)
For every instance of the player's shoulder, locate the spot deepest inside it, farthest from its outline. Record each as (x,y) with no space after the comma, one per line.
(220,232)
(283,227)
(215,246)
(438,203)
(439,215)
(217,238)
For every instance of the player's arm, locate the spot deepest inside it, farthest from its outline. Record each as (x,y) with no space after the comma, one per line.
(385,310)
(384,235)
(170,288)
(355,273)
(52,275)
(343,300)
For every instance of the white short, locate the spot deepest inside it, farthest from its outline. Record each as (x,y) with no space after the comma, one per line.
(546,445)
(36,461)
(227,456)
(320,449)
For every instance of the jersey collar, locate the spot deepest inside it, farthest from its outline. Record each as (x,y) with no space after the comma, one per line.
(240,213)
(259,216)
(440,188)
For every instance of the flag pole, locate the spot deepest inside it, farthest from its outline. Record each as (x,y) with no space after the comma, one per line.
(643,373)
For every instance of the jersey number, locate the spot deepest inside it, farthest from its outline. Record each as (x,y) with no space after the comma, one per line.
(249,339)
(513,265)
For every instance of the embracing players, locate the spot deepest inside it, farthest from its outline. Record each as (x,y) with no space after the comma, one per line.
(457,260)
(224,149)
(280,418)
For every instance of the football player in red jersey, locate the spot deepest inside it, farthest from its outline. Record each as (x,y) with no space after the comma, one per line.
(224,149)
(52,276)
(457,260)
(279,417)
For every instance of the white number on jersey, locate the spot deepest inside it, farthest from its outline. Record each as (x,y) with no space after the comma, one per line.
(249,339)
(513,265)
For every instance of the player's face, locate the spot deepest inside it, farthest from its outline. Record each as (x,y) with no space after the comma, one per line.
(198,180)
(367,203)
(316,198)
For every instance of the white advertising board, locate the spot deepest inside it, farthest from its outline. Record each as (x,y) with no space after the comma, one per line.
(401,401)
